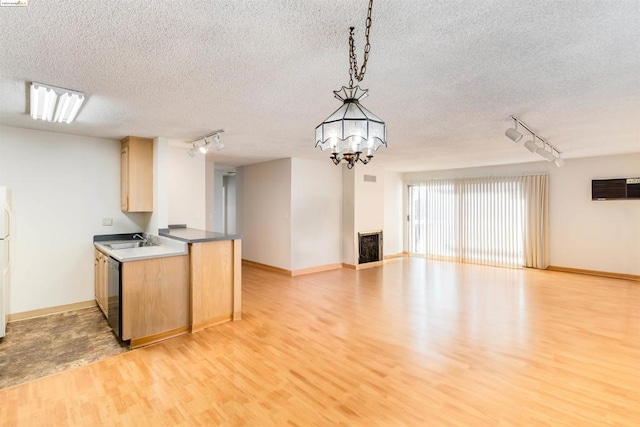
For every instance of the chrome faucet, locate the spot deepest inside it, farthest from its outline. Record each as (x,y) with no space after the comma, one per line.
(144,239)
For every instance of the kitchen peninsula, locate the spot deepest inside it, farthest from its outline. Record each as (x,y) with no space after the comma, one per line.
(181,281)
(215,261)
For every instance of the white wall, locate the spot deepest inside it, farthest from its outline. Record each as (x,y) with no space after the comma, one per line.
(187,189)
(266,212)
(210,204)
(393,213)
(62,186)
(218,212)
(159,218)
(230,183)
(349,248)
(364,207)
(583,234)
(316,213)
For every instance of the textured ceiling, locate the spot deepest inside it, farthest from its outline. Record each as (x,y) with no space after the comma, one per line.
(445,75)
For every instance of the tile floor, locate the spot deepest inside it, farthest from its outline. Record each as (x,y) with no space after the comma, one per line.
(42,346)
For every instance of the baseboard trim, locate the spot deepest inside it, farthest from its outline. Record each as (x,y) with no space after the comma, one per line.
(292,273)
(197,327)
(51,310)
(151,339)
(594,273)
(398,255)
(266,267)
(318,269)
(363,266)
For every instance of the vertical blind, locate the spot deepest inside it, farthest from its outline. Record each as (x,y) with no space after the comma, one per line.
(494,221)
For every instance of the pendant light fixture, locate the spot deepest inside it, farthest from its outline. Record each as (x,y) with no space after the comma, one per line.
(352,132)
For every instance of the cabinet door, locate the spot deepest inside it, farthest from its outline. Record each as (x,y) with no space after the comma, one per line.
(136,174)
(96,274)
(104,284)
(124,178)
(100,280)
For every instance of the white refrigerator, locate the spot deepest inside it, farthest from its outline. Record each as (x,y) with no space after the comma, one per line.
(5,257)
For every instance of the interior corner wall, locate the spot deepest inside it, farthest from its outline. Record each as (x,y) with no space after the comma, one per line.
(231,203)
(316,213)
(186,188)
(209,188)
(62,187)
(218,213)
(349,254)
(583,234)
(266,212)
(159,218)
(363,206)
(393,213)
(240,201)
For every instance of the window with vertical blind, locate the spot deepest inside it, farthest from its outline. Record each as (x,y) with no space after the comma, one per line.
(494,221)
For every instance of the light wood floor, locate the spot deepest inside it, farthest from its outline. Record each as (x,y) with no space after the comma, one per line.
(415,342)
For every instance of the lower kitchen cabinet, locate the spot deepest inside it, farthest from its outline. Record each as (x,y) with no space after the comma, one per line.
(155,299)
(100,280)
(216,282)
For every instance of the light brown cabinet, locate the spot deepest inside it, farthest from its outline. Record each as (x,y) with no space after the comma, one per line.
(100,281)
(216,282)
(136,174)
(155,299)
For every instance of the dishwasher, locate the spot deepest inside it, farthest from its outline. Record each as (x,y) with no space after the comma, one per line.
(115,290)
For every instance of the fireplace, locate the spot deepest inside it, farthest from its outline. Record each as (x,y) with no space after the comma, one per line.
(370,246)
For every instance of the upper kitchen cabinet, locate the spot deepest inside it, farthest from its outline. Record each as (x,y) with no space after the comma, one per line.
(136,174)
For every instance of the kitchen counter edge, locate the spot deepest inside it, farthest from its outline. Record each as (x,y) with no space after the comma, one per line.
(193,235)
(162,250)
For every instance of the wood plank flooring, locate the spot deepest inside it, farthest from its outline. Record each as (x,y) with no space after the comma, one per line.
(416,342)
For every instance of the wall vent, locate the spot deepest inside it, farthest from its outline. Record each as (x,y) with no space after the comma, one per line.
(369,178)
(615,189)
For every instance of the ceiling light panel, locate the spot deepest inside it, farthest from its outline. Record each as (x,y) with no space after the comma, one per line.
(52,103)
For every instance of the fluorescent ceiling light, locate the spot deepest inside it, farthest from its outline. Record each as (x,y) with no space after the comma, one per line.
(52,103)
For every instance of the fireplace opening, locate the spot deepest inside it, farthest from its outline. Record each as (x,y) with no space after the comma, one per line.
(370,247)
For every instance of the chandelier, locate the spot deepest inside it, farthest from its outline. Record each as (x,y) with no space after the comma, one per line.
(352,132)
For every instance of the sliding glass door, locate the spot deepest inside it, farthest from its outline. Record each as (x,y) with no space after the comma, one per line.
(482,220)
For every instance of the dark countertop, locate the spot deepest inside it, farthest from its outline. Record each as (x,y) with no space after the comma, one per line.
(193,235)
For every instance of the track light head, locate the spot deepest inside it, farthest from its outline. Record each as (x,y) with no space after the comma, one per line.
(548,155)
(513,134)
(531,145)
(559,162)
(205,147)
(218,142)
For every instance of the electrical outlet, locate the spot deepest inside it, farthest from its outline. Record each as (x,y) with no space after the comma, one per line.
(107,221)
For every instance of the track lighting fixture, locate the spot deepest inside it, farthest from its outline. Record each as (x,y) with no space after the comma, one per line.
(547,151)
(204,143)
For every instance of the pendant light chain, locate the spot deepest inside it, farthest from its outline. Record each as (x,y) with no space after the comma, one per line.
(353,69)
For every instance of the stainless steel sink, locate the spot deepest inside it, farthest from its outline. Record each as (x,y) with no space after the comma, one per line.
(128,244)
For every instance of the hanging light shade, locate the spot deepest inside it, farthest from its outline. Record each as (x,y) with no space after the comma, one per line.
(352,132)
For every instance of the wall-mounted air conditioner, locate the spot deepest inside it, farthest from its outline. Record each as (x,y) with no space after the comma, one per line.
(615,189)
